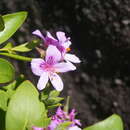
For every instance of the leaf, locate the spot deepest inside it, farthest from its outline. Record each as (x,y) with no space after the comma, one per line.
(49,97)
(10,89)
(44,122)
(113,122)
(54,93)
(24,108)
(2,26)
(3,100)
(12,23)
(63,126)
(54,100)
(9,45)
(7,71)
(45,93)
(26,47)
(54,106)
(15,83)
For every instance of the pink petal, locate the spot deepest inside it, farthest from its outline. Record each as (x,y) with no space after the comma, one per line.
(53,125)
(56,82)
(42,81)
(77,122)
(61,36)
(60,113)
(37,128)
(64,67)
(71,58)
(39,34)
(73,67)
(72,114)
(50,36)
(67,44)
(74,128)
(35,66)
(54,53)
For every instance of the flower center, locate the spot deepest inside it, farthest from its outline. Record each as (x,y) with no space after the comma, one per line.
(47,67)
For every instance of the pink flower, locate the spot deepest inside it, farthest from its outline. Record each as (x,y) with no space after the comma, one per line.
(37,128)
(61,117)
(47,69)
(74,128)
(63,43)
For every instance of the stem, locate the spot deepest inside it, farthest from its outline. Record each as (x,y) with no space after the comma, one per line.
(18,57)
(4,49)
(66,107)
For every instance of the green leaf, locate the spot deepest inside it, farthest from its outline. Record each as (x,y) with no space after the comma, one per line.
(26,47)
(45,93)
(24,108)
(54,106)
(113,122)
(10,89)
(54,93)
(9,45)
(15,83)
(3,100)
(63,126)
(54,100)
(12,23)
(44,122)
(49,97)
(7,71)
(2,26)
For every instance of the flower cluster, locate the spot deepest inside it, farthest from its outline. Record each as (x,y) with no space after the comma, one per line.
(61,117)
(57,60)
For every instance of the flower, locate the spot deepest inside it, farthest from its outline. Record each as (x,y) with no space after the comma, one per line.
(37,128)
(55,125)
(48,68)
(74,128)
(63,43)
(61,117)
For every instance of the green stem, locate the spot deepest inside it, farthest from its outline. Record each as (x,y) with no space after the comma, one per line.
(4,49)
(66,107)
(18,57)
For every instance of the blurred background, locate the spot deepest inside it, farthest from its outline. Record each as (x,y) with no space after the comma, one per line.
(100,33)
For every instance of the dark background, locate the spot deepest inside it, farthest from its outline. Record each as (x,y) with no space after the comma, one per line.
(100,33)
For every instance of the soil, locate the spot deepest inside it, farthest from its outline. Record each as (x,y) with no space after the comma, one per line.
(100,33)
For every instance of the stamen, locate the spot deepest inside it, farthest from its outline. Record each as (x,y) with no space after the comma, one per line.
(68,49)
